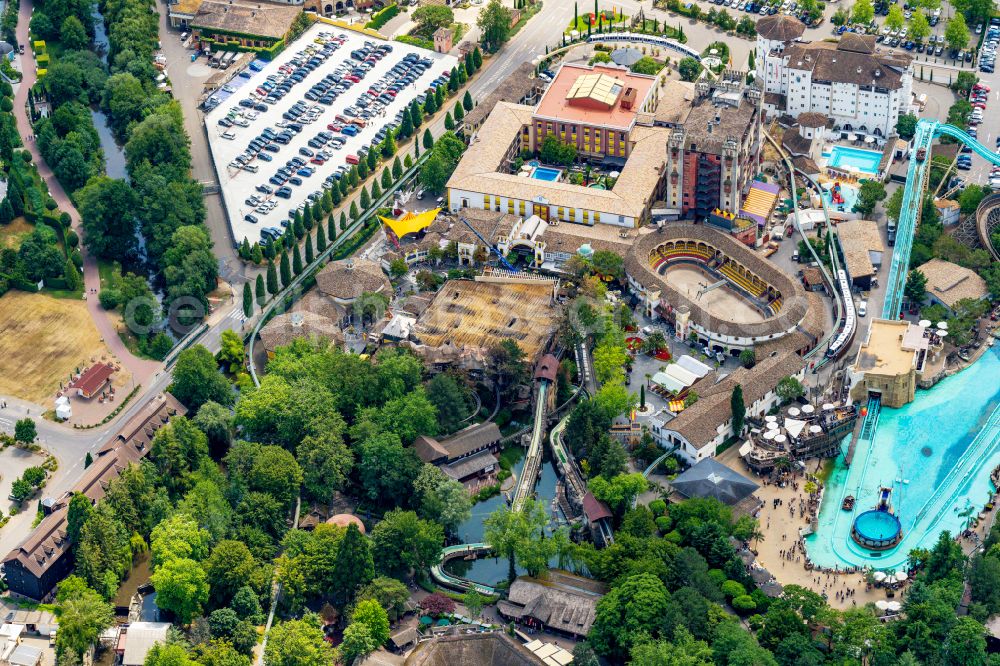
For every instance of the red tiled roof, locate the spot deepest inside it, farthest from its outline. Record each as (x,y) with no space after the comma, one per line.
(595,508)
(93,378)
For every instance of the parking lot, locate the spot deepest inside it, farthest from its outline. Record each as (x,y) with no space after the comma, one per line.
(281,135)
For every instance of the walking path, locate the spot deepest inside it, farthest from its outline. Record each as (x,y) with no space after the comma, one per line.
(141,369)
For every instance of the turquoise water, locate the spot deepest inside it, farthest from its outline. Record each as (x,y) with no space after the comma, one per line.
(849,194)
(866,161)
(936,453)
(545,173)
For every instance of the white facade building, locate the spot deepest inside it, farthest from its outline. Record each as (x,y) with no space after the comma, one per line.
(861,91)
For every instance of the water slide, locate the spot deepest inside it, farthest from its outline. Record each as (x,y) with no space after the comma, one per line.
(525,486)
(864,446)
(533,462)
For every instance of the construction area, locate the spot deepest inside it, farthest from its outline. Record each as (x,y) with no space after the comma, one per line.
(478,315)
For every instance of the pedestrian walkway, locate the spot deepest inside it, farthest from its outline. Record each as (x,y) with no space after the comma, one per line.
(141,369)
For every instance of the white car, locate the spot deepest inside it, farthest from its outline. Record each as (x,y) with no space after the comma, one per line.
(862,308)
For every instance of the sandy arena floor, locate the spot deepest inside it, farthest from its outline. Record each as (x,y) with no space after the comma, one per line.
(722,302)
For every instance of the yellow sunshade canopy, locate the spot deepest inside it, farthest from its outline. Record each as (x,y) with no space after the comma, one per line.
(410,223)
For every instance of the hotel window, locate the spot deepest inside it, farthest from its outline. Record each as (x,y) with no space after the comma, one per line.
(487,202)
(521,207)
(510,206)
(561,213)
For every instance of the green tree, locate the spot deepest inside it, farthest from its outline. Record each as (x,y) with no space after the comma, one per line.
(83,615)
(906,126)
(370,615)
(259,292)
(956,33)
(789,389)
(79,512)
(619,491)
(298,643)
(296,261)
(181,588)
(179,536)
(197,379)
(895,20)
(285,269)
(107,209)
(247,300)
(862,11)
(449,400)
(870,193)
(449,123)
(631,614)
(231,568)
(494,25)
(739,409)
(689,69)
(402,541)
(25,431)
(519,536)
(916,287)
(431,17)
(353,567)
(441,499)
(386,469)
(920,28)
(73,35)
(646,65)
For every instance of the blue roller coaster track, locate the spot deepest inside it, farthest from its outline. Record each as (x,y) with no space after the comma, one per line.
(909,215)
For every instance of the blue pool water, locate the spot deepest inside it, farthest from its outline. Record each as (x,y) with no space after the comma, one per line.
(545,173)
(849,193)
(931,452)
(877,525)
(866,161)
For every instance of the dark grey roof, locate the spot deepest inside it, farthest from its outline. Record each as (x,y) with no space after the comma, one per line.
(710,478)
(626,56)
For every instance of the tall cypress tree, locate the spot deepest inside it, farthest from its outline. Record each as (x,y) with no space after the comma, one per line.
(309,247)
(296,260)
(397,169)
(331,228)
(467,101)
(386,178)
(354,211)
(272,279)
(321,237)
(428,139)
(416,115)
(286,270)
(259,289)
(439,97)
(247,300)
(343,220)
(366,200)
(353,566)
(376,190)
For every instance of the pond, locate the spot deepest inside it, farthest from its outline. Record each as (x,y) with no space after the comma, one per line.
(493,570)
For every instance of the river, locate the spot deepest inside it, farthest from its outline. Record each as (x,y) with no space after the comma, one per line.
(114,155)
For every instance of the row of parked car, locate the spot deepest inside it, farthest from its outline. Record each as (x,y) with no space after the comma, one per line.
(319,149)
(770,8)
(978,97)
(988,56)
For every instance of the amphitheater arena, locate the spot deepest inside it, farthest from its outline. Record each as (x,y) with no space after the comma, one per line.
(702,280)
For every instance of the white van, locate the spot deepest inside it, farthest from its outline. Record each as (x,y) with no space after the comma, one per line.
(184,36)
(252,168)
(228,134)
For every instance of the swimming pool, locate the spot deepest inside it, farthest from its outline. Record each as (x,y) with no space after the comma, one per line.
(865,161)
(545,173)
(936,453)
(848,193)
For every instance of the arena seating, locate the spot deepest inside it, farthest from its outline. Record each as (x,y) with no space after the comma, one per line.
(682,251)
(775,306)
(729,270)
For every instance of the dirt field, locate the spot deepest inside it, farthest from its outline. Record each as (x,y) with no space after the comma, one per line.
(12,234)
(45,339)
(722,302)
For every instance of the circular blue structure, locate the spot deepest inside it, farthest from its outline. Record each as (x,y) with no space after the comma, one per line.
(877,530)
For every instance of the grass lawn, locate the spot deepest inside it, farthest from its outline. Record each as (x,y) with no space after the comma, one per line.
(584,16)
(45,340)
(11,235)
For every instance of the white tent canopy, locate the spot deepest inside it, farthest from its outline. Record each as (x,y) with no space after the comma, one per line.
(794,427)
(668,382)
(693,365)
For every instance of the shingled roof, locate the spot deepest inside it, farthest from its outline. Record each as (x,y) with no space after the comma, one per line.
(849,62)
(261,19)
(488,649)
(347,279)
(780,27)
(460,444)
(285,328)
(49,542)
(555,604)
